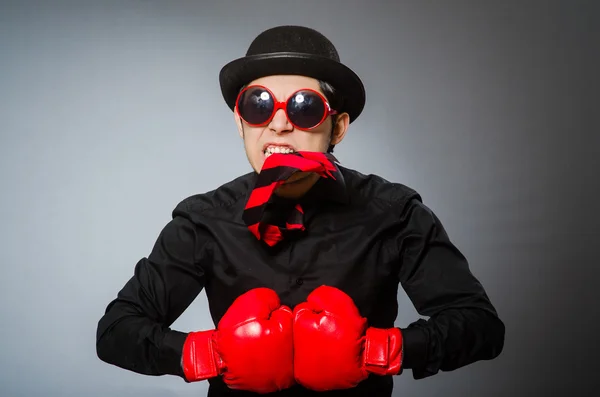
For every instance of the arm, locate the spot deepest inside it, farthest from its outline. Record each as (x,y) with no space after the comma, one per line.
(134,331)
(463,326)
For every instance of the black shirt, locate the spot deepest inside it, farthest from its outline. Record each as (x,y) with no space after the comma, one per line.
(365,236)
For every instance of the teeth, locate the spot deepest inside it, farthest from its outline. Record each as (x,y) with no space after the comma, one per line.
(278,149)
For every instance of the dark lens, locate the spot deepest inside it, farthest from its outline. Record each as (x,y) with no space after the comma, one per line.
(255,105)
(305,109)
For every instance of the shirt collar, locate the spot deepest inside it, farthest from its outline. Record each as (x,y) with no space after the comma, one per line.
(328,189)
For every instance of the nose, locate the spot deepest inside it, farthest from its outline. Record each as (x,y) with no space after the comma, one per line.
(280,123)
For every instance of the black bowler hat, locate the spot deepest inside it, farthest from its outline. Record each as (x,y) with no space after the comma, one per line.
(294,50)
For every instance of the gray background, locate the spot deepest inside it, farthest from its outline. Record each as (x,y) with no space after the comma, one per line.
(111,114)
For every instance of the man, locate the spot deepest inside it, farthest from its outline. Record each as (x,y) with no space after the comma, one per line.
(302,258)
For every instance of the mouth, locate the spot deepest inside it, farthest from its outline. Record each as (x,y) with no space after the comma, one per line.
(272,149)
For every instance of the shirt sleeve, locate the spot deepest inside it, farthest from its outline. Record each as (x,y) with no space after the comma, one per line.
(463,325)
(134,332)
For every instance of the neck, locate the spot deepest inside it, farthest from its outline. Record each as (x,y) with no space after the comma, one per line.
(297,185)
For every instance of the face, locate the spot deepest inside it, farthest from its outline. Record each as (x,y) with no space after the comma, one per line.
(281,135)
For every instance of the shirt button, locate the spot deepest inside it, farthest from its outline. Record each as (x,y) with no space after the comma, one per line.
(299,281)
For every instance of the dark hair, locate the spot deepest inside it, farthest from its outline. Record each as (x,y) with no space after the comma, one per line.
(334,99)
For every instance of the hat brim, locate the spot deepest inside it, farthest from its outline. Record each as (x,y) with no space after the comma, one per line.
(241,71)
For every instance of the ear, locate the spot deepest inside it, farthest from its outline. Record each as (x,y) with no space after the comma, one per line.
(341,127)
(238,123)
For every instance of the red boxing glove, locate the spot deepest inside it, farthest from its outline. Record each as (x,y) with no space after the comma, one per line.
(252,347)
(334,348)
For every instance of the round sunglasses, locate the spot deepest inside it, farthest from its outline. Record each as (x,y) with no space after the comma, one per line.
(305,109)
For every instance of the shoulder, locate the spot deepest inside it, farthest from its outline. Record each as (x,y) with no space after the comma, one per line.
(364,188)
(378,195)
(220,199)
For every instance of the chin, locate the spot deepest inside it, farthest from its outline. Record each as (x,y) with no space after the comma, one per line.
(258,163)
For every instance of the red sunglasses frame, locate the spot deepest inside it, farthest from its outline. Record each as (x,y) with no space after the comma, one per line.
(327,110)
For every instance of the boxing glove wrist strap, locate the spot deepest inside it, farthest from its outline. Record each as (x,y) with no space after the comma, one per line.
(383,351)
(199,359)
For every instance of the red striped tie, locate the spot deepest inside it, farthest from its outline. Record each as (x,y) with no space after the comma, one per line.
(275,171)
